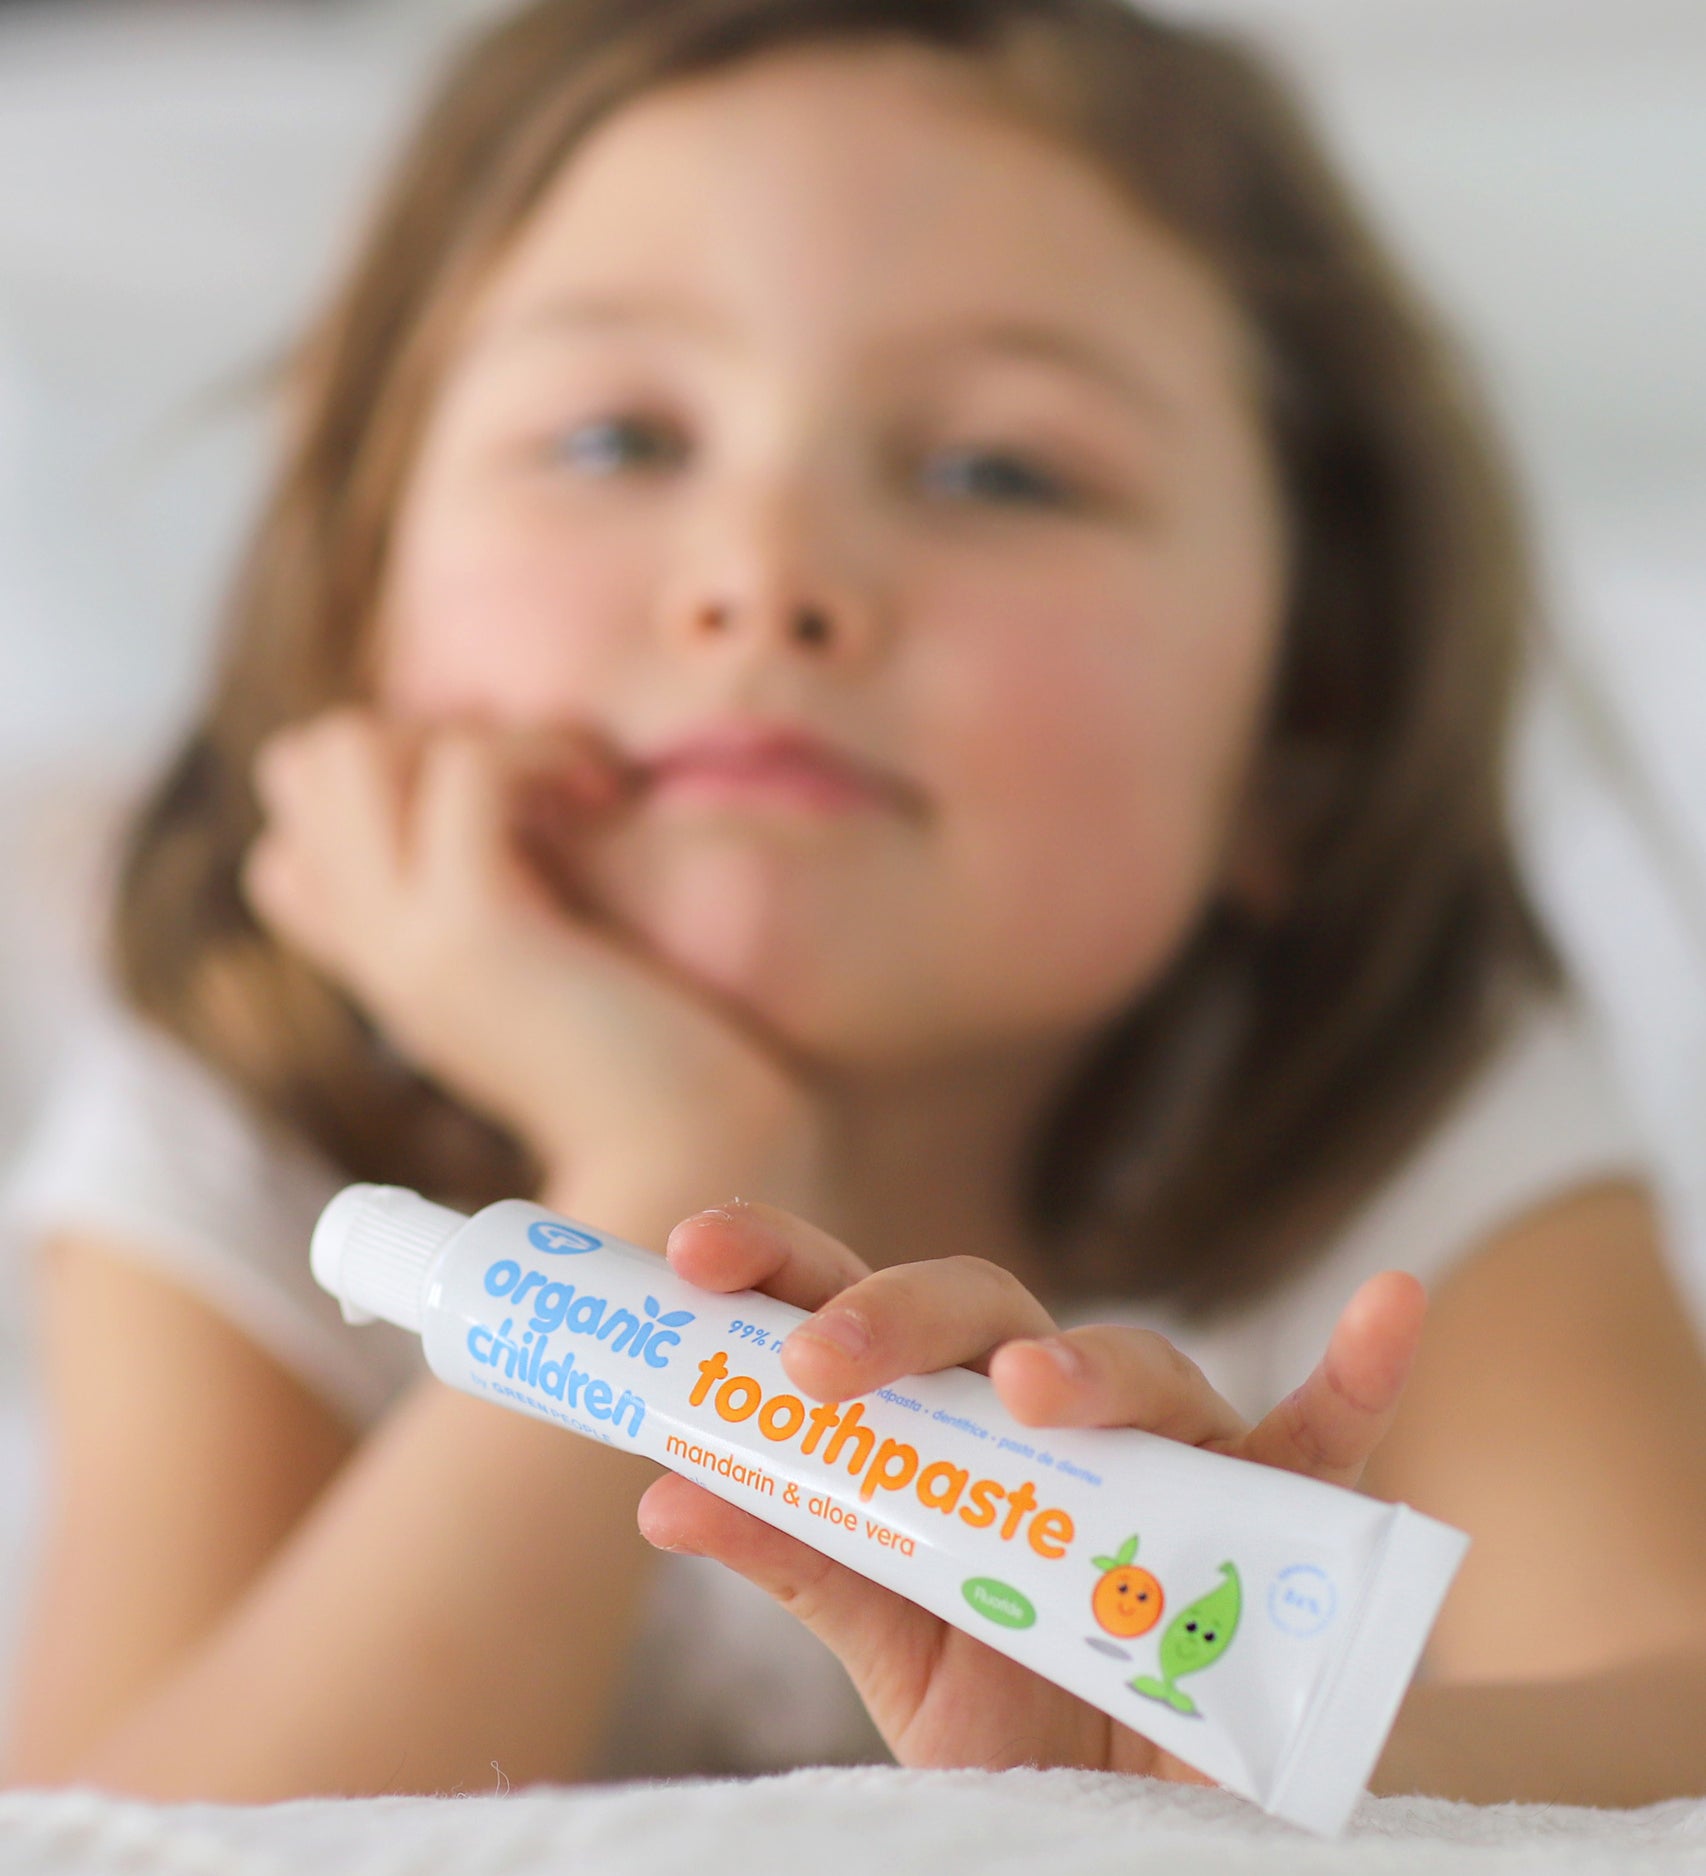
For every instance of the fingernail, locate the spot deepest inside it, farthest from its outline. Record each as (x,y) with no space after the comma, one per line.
(841,1329)
(674,1549)
(692,1218)
(1063,1354)
(715,1212)
(646,1519)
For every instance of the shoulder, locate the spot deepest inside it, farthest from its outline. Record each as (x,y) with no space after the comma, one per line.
(1542,1119)
(1558,1409)
(1548,1310)
(142,1148)
(1543,1116)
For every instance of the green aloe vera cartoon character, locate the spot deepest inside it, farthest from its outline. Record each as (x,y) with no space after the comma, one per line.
(1195,1639)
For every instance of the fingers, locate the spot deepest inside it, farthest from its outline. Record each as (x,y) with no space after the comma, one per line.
(887,1644)
(458,837)
(1330,1425)
(332,792)
(869,1327)
(910,1319)
(1111,1376)
(484,797)
(939,1697)
(366,816)
(341,757)
(747,1245)
(569,765)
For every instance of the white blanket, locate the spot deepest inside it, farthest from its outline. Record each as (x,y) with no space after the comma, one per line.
(874,1821)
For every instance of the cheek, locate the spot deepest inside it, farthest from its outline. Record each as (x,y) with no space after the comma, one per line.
(1092,762)
(494,617)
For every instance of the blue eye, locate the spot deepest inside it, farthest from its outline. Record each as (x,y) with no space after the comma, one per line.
(989,475)
(615,443)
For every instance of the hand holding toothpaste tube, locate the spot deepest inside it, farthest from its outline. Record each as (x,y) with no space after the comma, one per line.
(939,1696)
(1127,1592)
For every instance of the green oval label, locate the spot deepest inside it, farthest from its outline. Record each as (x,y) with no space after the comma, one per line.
(1001,1602)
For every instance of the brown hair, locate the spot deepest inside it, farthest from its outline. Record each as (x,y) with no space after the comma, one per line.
(1286,1061)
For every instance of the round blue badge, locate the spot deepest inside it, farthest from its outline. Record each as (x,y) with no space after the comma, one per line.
(1302,1600)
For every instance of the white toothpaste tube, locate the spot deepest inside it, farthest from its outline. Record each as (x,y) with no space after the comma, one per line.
(1261,1625)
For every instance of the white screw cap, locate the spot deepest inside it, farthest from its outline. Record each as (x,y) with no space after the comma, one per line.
(372,1248)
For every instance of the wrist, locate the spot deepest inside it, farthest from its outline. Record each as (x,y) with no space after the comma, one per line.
(642,1197)
(641,1214)
(644,1201)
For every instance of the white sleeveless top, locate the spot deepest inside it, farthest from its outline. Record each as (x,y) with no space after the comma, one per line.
(144,1148)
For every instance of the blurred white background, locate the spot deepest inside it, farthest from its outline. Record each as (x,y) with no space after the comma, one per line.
(179,182)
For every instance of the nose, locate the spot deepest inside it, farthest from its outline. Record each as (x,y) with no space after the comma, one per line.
(770,588)
(807,622)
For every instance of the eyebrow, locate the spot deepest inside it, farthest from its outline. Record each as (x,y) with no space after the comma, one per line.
(1050,345)
(1031,339)
(591,311)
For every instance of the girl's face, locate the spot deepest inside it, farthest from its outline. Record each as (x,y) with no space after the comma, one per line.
(822,395)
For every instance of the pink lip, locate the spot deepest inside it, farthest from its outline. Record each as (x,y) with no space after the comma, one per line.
(756,763)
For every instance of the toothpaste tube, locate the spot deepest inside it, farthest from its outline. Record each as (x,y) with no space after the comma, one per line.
(1261,1625)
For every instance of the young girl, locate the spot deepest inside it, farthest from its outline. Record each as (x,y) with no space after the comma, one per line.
(884,610)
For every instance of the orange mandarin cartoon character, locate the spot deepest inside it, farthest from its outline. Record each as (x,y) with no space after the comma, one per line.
(1127,1601)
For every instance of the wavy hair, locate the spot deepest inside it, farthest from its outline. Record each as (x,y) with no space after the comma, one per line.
(1284,1063)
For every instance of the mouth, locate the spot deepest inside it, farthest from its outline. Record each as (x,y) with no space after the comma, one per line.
(770,767)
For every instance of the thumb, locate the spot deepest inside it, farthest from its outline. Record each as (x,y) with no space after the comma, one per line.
(1330,1425)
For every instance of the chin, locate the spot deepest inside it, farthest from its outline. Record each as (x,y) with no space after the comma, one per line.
(822,1005)
(724,922)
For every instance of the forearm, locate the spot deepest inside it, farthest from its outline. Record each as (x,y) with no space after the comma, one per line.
(461,1594)
(1630,1735)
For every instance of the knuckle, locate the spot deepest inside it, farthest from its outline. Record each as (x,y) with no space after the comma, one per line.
(810,1253)
(993,1279)
(801,1590)
(337,744)
(826,1258)
(312,735)
(1301,1431)
(423,956)
(347,723)
(1102,1353)
(1169,1364)
(878,1293)
(264,768)
(772,1249)
(891,1304)
(848,1268)
(273,893)
(1148,1370)
(257,876)
(1364,1406)
(1116,1358)
(275,764)
(455,750)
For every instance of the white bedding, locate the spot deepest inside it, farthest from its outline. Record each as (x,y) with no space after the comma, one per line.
(874,1821)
